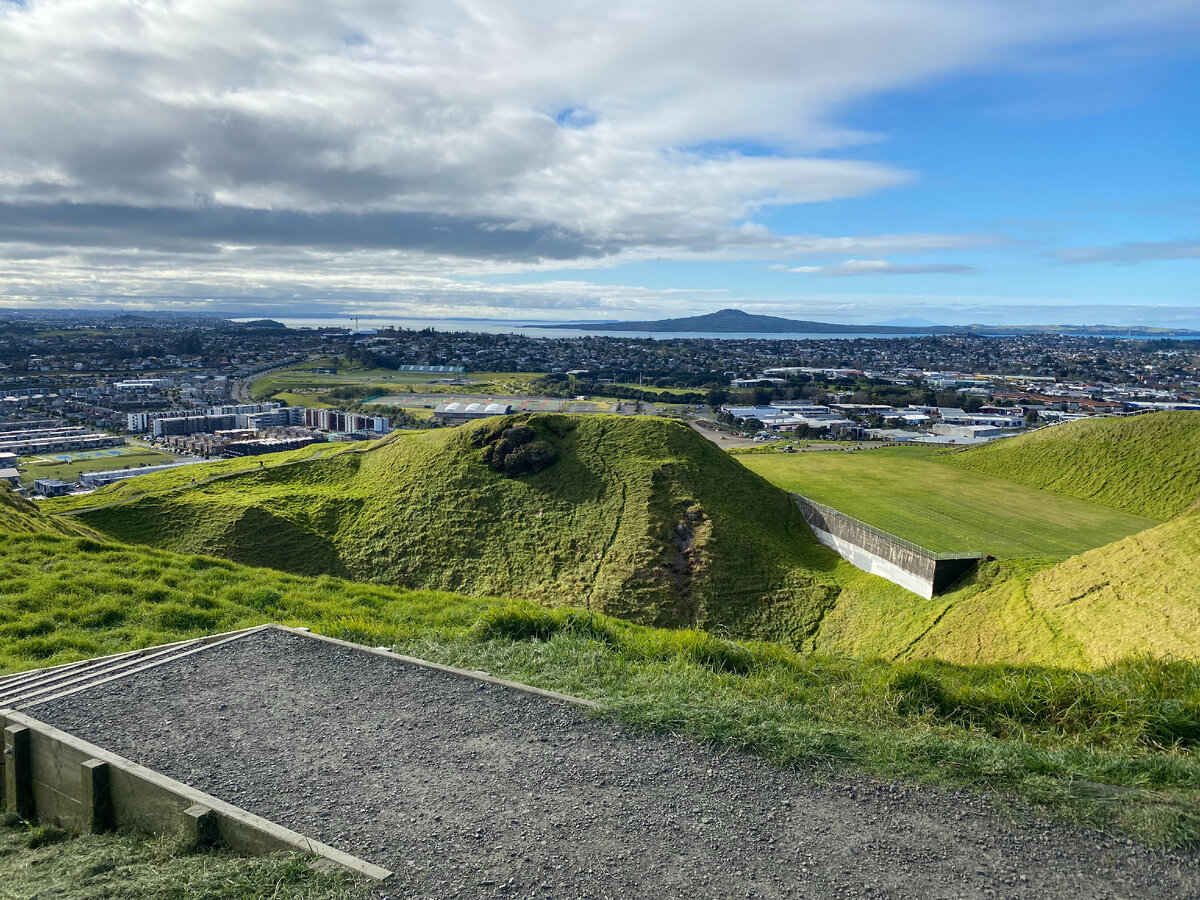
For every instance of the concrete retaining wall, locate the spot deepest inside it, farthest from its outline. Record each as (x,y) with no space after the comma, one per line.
(873,550)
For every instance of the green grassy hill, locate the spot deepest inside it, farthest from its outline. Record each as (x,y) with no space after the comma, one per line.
(20,516)
(1137,596)
(1147,465)
(640,518)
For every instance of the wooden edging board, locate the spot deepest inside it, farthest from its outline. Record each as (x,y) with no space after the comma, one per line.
(56,788)
(58,781)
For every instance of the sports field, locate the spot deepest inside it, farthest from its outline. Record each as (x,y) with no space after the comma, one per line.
(914,493)
(69,466)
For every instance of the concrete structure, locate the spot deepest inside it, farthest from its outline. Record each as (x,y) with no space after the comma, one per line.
(895,435)
(873,550)
(10,475)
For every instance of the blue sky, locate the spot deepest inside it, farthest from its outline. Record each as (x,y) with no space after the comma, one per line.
(994,161)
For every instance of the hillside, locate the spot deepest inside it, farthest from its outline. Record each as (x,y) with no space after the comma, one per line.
(20,516)
(1146,465)
(640,518)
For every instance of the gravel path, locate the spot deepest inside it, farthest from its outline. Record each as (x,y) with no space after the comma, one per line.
(470,790)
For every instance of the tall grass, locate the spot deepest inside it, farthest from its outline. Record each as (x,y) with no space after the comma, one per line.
(44,862)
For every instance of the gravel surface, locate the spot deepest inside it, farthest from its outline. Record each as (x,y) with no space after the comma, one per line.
(471,790)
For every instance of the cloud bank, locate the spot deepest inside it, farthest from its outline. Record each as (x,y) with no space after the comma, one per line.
(228,139)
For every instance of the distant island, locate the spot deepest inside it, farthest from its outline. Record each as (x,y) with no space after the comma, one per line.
(735,321)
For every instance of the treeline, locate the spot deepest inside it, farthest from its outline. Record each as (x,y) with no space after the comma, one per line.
(565,386)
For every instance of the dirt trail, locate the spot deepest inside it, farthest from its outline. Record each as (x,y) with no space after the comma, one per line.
(470,790)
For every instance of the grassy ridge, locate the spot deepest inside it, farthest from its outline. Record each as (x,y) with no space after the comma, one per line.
(919,494)
(1146,465)
(640,518)
(1138,595)
(20,516)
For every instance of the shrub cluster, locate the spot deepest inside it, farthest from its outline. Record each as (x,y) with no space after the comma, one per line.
(518,451)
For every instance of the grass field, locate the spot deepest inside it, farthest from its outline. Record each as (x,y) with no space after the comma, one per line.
(918,494)
(53,465)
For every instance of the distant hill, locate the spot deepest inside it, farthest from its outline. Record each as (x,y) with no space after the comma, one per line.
(734,321)
(639,517)
(1148,464)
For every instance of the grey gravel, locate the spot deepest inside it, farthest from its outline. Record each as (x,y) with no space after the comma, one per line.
(471,790)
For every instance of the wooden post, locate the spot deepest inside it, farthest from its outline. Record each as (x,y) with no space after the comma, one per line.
(18,772)
(96,796)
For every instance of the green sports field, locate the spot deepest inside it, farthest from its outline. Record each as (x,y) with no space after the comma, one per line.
(915,493)
(69,466)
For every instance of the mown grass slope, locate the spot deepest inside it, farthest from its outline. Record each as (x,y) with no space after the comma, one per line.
(639,517)
(1147,465)
(919,494)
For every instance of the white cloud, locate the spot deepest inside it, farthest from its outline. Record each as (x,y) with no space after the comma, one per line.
(1129,253)
(855,267)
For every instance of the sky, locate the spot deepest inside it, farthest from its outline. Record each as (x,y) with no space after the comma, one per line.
(865,161)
